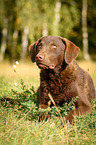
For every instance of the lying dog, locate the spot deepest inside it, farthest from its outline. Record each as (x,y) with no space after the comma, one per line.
(61,76)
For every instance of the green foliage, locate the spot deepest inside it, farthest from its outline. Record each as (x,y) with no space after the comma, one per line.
(19,125)
(17,14)
(26,103)
(19,119)
(70,18)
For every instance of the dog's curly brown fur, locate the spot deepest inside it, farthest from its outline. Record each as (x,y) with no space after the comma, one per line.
(61,76)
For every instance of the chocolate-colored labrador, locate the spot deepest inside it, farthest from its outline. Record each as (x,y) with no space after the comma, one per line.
(61,76)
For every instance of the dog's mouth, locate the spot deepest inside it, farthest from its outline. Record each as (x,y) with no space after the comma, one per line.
(44,66)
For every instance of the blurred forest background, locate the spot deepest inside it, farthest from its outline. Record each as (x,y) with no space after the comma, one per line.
(22,22)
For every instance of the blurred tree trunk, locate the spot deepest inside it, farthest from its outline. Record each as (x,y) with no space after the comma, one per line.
(57,18)
(15,36)
(84,30)
(3,44)
(45,30)
(44,18)
(24,43)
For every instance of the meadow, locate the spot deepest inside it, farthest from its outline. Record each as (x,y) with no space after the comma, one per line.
(19,114)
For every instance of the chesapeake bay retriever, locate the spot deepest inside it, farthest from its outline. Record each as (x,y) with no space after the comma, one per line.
(61,76)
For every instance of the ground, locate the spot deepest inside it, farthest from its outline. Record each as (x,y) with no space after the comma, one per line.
(21,130)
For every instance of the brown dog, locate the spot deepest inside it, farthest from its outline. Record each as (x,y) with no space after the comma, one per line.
(61,76)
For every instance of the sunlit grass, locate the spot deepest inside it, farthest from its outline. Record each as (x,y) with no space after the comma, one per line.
(30,69)
(20,131)
(22,69)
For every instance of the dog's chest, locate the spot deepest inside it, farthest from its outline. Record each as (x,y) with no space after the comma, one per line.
(56,83)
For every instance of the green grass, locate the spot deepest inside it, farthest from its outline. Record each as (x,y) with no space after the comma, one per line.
(19,123)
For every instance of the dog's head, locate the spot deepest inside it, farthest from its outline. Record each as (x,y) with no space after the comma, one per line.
(51,51)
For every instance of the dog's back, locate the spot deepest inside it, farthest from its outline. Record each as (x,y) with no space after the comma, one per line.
(85,82)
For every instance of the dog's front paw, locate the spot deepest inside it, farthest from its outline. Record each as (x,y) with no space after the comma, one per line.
(43,117)
(68,119)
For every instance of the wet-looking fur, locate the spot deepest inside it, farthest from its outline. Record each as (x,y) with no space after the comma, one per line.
(61,76)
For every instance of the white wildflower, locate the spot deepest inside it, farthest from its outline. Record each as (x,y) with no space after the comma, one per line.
(15,84)
(17,62)
(14,66)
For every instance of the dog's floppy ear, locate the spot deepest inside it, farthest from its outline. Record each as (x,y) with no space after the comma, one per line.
(32,51)
(71,51)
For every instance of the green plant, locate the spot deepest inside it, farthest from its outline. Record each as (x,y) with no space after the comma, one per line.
(26,102)
(19,115)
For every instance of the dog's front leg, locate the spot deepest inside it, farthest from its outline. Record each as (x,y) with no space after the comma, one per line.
(43,103)
(82,109)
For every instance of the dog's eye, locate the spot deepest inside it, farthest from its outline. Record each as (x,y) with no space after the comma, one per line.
(54,46)
(39,44)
